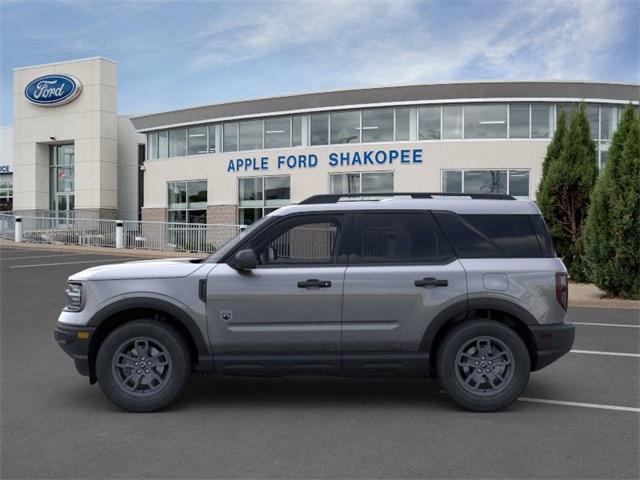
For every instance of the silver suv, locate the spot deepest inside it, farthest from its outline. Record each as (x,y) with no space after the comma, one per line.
(466,288)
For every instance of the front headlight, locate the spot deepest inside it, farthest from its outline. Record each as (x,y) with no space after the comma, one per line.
(74,297)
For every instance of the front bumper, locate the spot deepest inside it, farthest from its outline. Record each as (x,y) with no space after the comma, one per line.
(74,340)
(552,342)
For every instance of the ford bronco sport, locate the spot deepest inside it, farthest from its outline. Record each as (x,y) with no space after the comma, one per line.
(466,288)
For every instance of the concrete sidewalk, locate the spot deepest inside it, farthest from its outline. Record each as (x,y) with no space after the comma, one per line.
(588,295)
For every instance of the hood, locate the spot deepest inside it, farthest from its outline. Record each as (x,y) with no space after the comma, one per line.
(162,268)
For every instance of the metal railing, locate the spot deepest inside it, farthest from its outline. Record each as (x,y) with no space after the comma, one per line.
(163,236)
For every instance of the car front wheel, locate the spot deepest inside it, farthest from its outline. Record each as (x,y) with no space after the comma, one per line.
(143,365)
(483,365)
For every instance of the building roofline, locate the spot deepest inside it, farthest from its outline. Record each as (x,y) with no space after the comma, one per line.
(65,61)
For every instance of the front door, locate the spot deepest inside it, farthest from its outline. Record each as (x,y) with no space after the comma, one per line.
(401,275)
(285,315)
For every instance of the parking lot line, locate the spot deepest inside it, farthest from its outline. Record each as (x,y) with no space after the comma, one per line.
(615,354)
(70,263)
(607,324)
(579,404)
(41,256)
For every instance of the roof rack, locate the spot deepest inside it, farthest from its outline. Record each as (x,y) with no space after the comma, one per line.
(336,197)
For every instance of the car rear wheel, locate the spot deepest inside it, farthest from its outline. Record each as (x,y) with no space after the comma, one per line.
(483,365)
(143,365)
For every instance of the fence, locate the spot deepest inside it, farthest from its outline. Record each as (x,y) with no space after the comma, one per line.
(162,236)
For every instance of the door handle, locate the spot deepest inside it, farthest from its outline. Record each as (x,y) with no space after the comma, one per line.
(431,282)
(314,283)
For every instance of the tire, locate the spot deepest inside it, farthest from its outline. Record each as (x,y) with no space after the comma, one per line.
(483,365)
(143,365)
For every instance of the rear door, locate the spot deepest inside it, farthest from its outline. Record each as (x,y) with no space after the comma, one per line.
(401,274)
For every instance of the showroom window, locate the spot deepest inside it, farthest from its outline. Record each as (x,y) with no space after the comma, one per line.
(258,196)
(510,182)
(277,132)
(403,124)
(163,144)
(429,123)
(251,135)
(345,127)
(361,182)
(6,192)
(541,120)
(152,146)
(62,179)
(197,140)
(178,142)
(485,121)
(230,137)
(377,125)
(212,138)
(519,120)
(188,201)
(452,121)
(320,129)
(296,131)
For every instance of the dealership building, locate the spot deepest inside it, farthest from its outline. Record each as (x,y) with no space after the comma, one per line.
(70,152)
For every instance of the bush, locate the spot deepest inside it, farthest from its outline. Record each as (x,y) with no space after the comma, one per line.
(612,233)
(565,190)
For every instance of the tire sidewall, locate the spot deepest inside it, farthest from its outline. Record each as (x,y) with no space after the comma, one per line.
(446,364)
(177,349)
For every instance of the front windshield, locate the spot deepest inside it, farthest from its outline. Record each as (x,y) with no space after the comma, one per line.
(231,244)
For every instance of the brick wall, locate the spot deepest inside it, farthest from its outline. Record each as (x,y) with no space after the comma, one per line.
(154,214)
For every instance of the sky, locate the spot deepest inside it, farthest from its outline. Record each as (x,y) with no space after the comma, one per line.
(176,54)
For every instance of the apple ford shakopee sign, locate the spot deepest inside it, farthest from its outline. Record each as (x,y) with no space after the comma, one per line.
(53,90)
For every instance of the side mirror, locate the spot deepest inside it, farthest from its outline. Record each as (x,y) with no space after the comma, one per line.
(245,260)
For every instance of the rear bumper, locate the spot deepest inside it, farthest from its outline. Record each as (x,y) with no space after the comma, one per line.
(75,345)
(552,342)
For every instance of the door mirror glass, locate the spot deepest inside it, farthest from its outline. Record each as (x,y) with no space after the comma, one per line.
(245,260)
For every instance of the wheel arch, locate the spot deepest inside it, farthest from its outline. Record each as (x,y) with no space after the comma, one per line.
(120,312)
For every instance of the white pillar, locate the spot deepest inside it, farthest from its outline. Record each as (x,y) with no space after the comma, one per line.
(119,234)
(18,230)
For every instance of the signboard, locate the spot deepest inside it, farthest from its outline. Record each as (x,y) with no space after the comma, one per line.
(52,90)
(5,168)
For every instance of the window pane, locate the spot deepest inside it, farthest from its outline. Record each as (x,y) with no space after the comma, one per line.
(320,129)
(178,216)
(212,138)
(377,125)
(466,242)
(519,183)
(541,120)
(277,191)
(277,132)
(345,127)
(429,123)
(400,238)
(307,241)
(485,121)
(452,121)
(403,124)
(197,193)
(513,234)
(197,140)
(197,216)
(377,182)
(246,216)
(592,117)
(250,191)
(178,142)
(296,131)
(345,183)
(452,181)
(152,146)
(519,120)
(485,181)
(230,137)
(568,109)
(251,135)
(163,144)
(604,152)
(177,195)
(608,122)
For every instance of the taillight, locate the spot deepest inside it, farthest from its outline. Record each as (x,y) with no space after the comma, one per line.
(562,289)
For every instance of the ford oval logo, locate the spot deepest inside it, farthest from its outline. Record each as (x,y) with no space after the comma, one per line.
(53,90)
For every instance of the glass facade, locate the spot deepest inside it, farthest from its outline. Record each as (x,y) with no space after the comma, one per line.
(258,196)
(62,179)
(377,125)
(509,182)
(187,201)
(361,182)
(6,192)
(485,121)
(429,123)
(345,127)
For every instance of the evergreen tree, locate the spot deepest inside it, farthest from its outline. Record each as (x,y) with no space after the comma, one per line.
(565,191)
(555,147)
(612,233)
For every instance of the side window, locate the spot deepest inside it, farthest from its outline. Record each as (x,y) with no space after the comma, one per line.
(399,237)
(467,242)
(514,234)
(307,240)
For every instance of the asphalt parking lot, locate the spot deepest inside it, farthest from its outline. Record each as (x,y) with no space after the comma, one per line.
(579,418)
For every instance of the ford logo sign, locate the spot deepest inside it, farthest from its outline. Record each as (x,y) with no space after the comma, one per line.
(53,90)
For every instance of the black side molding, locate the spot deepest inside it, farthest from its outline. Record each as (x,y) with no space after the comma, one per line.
(202,290)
